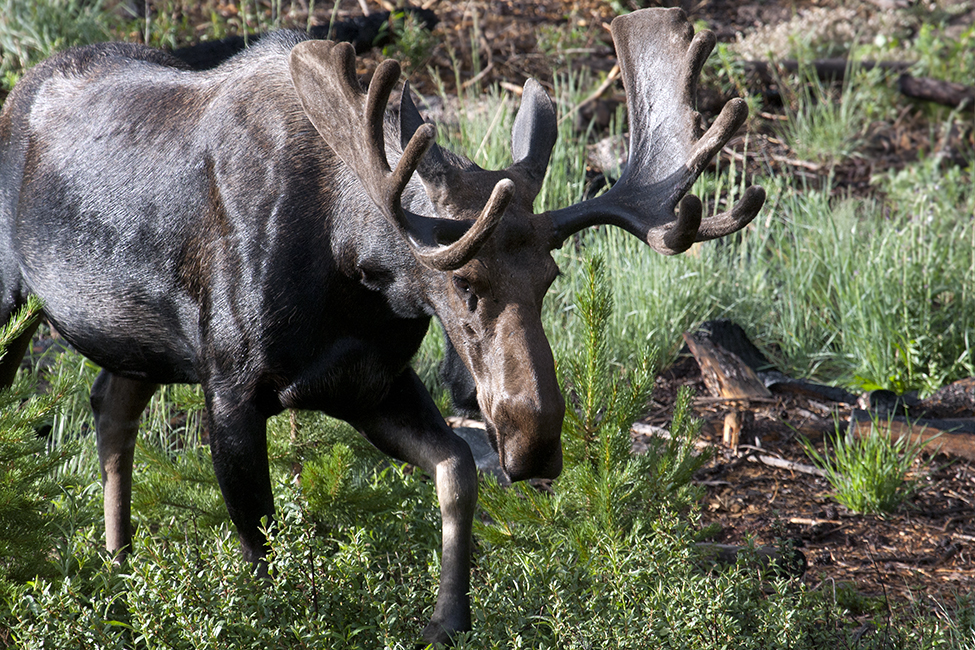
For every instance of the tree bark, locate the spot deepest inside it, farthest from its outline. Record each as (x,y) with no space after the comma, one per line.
(724,372)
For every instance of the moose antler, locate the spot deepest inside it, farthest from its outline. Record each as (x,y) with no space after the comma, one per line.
(351,122)
(661,62)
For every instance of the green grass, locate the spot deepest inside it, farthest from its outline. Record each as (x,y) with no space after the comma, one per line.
(827,125)
(870,473)
(32,31)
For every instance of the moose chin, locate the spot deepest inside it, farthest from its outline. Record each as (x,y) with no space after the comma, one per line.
(272,231)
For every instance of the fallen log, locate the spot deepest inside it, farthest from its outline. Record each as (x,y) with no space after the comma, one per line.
(826,69)
(947,93)
(951,436)
(725,374)
(730,337)
(956,400)
(364,32)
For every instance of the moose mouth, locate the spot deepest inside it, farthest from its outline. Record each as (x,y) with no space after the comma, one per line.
(520,464)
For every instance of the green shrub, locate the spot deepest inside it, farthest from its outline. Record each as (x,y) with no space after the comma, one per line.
(414,43)
(32,31)
(604,489)
(35,506)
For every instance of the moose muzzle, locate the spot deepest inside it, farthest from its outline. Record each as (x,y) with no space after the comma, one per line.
(520,397)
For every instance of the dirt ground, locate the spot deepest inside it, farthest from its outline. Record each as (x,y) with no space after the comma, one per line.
(923,554)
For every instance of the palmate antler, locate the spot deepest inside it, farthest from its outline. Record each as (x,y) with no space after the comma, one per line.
(661,62)
(351,122)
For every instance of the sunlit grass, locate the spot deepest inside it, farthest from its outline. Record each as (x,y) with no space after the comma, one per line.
(869,472)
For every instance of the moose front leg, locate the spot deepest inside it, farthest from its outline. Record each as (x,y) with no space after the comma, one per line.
(238,445)
(117,404)
(408,426)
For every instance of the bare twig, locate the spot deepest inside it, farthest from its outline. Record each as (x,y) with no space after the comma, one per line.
(790,465)
(480,75)
(511,88)
(458,422)
(706,400)
(794,162)
(650,430)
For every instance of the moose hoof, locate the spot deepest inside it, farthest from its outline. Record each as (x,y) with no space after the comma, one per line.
(436,634)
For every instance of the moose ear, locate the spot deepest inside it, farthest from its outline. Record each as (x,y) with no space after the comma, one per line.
(534,132)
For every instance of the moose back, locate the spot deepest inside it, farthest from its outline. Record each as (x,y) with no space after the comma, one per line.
(270,231)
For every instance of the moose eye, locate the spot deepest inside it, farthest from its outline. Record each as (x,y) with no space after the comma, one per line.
(466,292)
(462,285)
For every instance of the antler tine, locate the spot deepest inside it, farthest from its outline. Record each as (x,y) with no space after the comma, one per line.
(324,77)
(661,59)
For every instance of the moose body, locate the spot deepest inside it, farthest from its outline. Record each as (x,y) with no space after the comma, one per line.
(184,228)
(241,228)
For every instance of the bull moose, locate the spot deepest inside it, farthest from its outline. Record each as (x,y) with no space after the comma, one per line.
(242,228)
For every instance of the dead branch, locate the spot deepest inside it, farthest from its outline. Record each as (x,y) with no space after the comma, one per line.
(790,465)
(826,69)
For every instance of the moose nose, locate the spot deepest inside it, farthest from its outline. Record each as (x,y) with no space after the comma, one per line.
(538,465)
(530,440)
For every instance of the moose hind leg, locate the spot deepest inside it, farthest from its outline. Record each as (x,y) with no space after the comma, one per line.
(118,404)
(408,426)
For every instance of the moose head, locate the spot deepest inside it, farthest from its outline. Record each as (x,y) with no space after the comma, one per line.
(485,255)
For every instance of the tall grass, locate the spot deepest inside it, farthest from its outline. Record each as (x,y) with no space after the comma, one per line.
(869,472)
(826,124)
